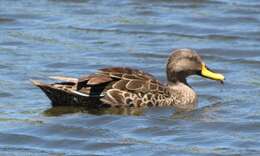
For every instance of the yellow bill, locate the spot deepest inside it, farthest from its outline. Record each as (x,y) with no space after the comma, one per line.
(210,74)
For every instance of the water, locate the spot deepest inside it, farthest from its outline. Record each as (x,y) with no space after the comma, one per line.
(75,37)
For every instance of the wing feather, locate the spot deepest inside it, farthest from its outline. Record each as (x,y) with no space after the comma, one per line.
(64,78)
(113,86)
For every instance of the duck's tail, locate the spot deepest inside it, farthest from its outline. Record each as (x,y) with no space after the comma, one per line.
(63,94)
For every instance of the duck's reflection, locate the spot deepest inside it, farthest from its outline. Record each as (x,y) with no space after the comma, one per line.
(57,111)
(199,113)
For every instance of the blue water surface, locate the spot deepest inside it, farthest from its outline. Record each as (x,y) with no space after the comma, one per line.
(74,37)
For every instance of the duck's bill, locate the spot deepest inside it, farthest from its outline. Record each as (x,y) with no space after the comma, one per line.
(207,73)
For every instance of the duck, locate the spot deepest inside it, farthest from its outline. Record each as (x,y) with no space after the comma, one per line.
(119,87)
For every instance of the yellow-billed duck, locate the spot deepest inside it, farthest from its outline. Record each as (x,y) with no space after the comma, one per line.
(126,87)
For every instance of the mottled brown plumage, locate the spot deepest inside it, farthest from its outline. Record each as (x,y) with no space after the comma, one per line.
(125,87)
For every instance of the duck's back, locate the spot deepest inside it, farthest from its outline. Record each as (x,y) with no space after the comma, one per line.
(114,87)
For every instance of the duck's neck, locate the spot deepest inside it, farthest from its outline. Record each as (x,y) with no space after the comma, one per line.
(183,96)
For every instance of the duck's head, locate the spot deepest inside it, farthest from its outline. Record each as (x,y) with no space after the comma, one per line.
(185,62)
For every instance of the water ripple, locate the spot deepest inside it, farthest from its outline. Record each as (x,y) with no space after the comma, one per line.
(76,37)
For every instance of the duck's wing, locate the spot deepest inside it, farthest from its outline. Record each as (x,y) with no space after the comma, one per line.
(112,78)
(110,86)
(64,78)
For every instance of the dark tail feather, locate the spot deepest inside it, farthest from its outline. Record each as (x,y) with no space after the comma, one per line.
(61,97)
(57,96)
